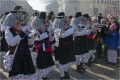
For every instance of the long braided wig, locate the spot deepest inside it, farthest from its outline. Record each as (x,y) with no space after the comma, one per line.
(59,23)
(36,23)
(10,20)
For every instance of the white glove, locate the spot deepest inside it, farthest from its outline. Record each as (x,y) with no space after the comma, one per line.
(33,32)
(25,28)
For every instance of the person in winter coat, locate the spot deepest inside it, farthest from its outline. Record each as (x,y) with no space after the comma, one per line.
(112,44)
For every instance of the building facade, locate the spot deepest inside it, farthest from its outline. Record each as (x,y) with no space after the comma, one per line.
(107,6)
(7,5)
(53,6)
(92,7)
(26,7)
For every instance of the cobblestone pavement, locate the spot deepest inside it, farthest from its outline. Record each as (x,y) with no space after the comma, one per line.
(100,70)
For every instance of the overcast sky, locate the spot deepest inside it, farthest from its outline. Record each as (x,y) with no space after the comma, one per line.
(37,5)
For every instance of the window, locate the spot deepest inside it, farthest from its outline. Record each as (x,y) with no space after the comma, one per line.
(69,10)
(75,9)
(105,1)
(117,3)
(96,1)
(108,1)
(105,11)
(102,1)
(111,2)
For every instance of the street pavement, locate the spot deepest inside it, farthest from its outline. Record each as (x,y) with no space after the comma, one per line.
(100,70)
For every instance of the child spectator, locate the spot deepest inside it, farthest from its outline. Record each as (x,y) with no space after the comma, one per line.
(112,44)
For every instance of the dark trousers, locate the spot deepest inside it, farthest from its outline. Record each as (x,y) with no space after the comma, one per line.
(105,51)
(99,50)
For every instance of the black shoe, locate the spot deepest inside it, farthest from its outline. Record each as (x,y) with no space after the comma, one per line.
(83,69)
(104,56)
(88,64)
(67,75)
(109,63)
(99,57)
(46,78)
(114,63)
(94,61)
(62,78)
(80,71)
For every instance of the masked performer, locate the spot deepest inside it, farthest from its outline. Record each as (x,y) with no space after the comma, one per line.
(91,46)
(50,17)
(42,48)
(80,49)
(64,44)
(22,68)
(49,28)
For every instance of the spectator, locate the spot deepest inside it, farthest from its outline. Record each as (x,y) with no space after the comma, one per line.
(100,17)
(112,44)
(70,18)
(103,34)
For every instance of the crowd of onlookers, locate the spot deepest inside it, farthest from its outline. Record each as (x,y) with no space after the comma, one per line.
(108,37)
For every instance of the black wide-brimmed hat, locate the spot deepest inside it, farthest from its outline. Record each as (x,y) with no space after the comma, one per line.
(61,15)
(51,13)
(78,14)
(42,15)
(87,16)
(18,9)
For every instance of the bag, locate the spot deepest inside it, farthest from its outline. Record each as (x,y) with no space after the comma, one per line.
(96,36)
(8,60)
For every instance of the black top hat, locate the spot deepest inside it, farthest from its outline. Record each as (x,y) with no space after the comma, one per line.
(100,14)
(61,15)
(78,14)
(86,16)
(42,15)
(36,14)
(17,9)
(71,16)
(51,13)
